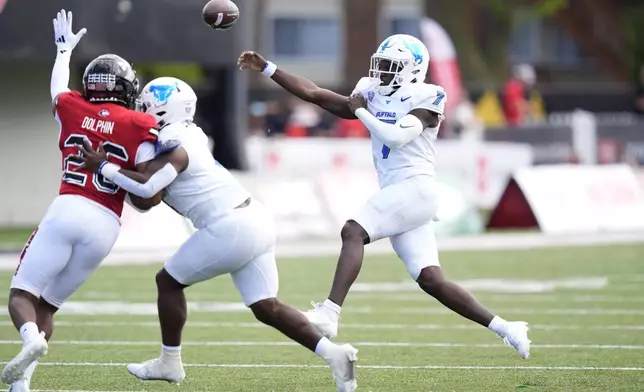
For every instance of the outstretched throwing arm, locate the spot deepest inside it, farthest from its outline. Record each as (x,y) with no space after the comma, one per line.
(302,88)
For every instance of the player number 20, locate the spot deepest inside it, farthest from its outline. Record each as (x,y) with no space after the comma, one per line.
(100,183)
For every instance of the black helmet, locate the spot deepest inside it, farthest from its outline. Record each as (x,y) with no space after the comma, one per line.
(109,78)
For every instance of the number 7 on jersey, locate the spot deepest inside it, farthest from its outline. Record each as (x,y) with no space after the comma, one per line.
(440,95)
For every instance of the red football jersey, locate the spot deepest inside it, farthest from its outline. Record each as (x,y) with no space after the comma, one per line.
(121,131)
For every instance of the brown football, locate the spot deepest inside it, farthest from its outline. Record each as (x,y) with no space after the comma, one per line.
(220,14)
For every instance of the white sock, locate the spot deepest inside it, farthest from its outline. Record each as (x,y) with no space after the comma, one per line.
(334,307)
(324,347)
(171,352)
(29,331)
(30,370)
(499,326)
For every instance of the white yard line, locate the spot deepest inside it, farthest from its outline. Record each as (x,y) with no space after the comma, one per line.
(555,312)
(490,297)
(77,390)
(378,367)
(389,297)
(117,308)
(358,344)
(255,324)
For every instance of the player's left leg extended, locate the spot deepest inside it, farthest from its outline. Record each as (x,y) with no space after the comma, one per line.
(417,249)
(394,209)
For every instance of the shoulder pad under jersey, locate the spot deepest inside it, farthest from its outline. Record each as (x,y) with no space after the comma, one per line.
(167,146)
(363,85)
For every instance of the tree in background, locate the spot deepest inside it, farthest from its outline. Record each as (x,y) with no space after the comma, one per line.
(482,30)
(610,31)
(634,16)
(360,36)
(598,28)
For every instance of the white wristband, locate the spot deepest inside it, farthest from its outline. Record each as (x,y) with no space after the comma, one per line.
(109,170)
(269,69)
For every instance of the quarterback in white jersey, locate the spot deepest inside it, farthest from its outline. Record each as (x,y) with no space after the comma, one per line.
(403,115)
(235,235)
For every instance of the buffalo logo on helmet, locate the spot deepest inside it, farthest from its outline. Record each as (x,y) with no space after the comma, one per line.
(163,92)
(415,49)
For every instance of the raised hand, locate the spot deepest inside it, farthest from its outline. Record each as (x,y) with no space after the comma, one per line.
(65,39)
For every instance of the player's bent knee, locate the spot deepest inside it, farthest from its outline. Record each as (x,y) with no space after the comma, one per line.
(45,316)
(47,306)
(19,294)
(430,278)
(165,281)
(19,299)
(352,231)
(265,310)
(20,289)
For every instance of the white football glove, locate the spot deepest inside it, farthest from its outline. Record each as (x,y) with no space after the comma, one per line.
(66,40)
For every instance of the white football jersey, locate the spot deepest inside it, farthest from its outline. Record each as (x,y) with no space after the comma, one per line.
(416,157)
(206,190)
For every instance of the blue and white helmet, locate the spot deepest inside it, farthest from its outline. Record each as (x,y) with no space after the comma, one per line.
(168,100)
(400,60)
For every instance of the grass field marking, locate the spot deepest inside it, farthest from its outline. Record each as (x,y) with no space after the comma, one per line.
(494,285)
(513,298)
(358,344)
(627,287)
(411,297)
(150,309)
(555,312)
(77,390)
(418,296)
(252,324)
(377,367)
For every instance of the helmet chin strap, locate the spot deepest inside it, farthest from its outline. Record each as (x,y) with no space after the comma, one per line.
(387,90)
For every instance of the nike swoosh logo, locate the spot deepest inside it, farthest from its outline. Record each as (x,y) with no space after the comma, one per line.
(404,99)
(405,127)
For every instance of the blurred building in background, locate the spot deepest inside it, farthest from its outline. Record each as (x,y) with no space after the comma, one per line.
(529,82)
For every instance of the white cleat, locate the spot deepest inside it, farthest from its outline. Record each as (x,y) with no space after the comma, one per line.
(324,319)
(517,337)
(158,369)
(20,386)
(343,366)
(31,351)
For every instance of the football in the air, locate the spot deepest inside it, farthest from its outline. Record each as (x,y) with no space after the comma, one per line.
(220,14)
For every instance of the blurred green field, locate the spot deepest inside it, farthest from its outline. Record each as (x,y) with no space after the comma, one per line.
(14,238)
(585,311)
